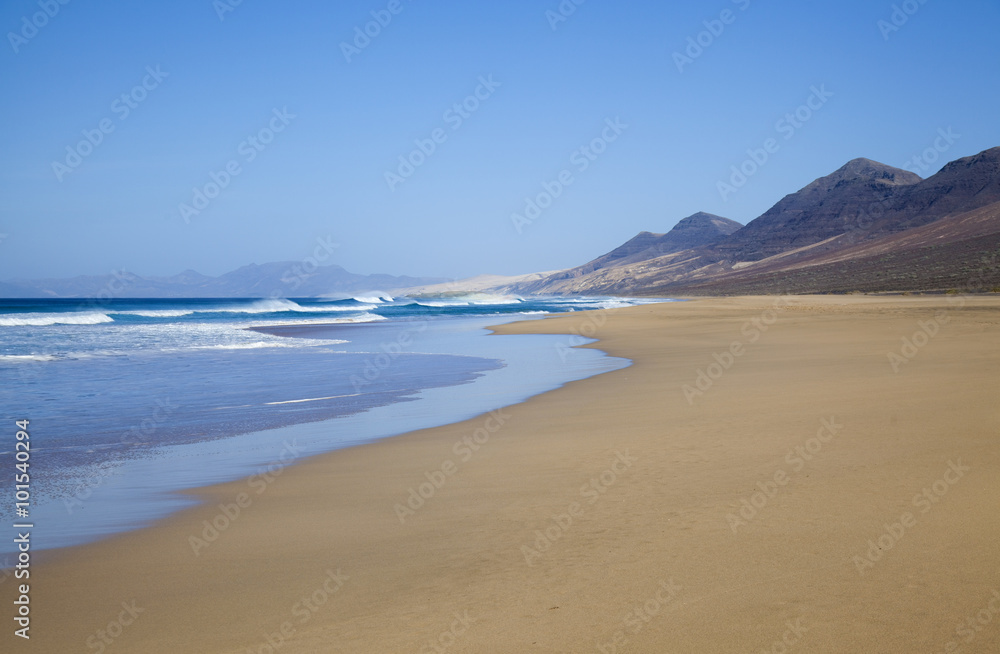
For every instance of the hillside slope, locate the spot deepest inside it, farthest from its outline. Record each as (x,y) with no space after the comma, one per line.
(866,226)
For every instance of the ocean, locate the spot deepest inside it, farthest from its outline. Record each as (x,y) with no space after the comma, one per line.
(130,401)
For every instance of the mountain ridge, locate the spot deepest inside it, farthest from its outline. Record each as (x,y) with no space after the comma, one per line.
(829,236)
(862,202)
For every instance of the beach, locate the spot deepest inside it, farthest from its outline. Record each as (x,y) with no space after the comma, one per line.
(815,474)
(131,401)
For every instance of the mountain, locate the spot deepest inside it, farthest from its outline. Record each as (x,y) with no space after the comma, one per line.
(698,230)
(959,252)
(962,185)
(866,226)
(695,231)
(823,209)
(279,279)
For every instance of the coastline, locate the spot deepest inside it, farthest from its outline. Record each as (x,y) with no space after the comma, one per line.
(401,376)
(623,485)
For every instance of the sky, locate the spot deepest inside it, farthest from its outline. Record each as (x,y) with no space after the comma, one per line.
(452,139)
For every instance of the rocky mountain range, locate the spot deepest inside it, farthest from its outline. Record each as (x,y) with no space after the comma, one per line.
(865,227)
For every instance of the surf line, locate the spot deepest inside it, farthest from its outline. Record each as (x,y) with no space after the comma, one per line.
(311,399)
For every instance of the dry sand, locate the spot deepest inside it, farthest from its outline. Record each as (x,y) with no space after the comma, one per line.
(648,559)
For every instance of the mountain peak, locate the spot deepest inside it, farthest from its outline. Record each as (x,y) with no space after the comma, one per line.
(987,159)
(714,225)
(866,169)
(695,231)
(864,226)
(189,276)
(820,210)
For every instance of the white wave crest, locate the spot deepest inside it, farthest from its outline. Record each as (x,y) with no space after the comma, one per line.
(362,307)
(258,345)
(26,358)
(476,299)
(156,313)
(365,317)
(47,319)
(281,306)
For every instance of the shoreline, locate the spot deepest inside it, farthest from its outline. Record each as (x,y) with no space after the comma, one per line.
(608,495)
(144,490)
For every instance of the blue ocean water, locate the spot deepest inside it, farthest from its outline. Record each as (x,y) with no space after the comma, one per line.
(131,400)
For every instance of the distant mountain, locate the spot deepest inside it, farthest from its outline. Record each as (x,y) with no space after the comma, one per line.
(866,226)
(279,279)
(695,231)
(698,230)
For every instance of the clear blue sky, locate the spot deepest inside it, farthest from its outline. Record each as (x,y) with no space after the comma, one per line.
(323,174)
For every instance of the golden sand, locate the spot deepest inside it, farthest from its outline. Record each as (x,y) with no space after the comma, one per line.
(806,492)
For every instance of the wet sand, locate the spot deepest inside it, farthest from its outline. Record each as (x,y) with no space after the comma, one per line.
(768,474)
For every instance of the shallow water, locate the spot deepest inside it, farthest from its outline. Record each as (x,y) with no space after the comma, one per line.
(269,406)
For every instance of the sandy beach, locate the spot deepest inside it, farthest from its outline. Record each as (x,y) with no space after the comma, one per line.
(814,474)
